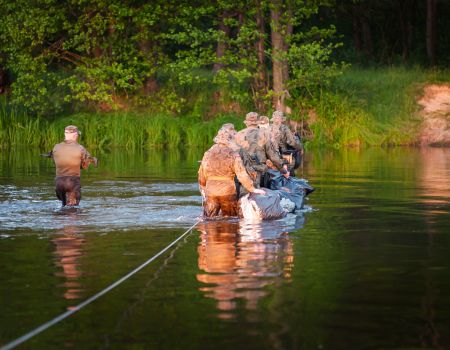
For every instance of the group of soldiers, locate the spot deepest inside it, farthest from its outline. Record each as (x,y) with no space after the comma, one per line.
(235,165)
(238,162)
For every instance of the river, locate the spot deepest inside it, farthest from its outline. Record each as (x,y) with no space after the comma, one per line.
(365,266)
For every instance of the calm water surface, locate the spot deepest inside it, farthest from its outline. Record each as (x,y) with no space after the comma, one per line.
(367,266)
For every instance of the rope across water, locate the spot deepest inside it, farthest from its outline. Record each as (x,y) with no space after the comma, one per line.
(78,307)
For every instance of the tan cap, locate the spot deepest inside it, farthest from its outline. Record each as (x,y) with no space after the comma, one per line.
(70,129)
(251,118)
(278,115)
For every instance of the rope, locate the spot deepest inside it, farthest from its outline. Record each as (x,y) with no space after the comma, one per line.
(78,307)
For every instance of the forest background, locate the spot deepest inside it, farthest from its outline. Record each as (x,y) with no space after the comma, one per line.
(169,73)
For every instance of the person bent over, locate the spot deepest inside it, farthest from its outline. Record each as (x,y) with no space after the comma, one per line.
(69,158)
(219,166)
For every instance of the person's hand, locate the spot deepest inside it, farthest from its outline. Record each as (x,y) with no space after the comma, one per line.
(259,191)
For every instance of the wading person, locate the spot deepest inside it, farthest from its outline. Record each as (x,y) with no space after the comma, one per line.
(260,148)
(70,157)
(219,166)
(289,145)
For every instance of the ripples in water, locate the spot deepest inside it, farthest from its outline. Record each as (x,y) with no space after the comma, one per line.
(105,205)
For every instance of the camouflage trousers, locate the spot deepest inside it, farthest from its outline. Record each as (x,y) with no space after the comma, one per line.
(68,190)
(220,206)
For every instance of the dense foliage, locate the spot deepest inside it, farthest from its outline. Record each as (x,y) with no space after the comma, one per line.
(110,54)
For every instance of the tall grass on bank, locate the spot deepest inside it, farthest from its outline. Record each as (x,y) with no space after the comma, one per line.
(103,131)
(362,107)
(373,106)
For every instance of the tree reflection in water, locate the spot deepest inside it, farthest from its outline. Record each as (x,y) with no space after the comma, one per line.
(240,260)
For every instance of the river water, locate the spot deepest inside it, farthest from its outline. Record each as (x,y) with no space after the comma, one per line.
(365,266)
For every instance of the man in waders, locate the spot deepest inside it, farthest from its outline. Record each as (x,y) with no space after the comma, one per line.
(219,166)
(69,158)
(260,148)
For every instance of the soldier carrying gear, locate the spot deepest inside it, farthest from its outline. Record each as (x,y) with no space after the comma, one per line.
(69,158)
(259,146)
(289,145)
(219,166)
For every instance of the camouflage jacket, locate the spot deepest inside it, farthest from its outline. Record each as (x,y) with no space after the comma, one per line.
(219,166)
(284,137)
(259,147)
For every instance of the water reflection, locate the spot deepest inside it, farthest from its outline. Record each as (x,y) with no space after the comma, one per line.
(435,178)
(68,250)
(239,260)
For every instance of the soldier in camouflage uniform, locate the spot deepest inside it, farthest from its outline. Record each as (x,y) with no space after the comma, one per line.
(250,165)
(284,138)
(259,147)
(69,158)
(219,166)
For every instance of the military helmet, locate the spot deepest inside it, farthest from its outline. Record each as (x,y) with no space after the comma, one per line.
(251,119)
(278,115)
(263,120)
(223,137)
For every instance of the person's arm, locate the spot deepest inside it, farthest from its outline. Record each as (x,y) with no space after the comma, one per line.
(87,159)
(243,177)
(201,176)
(291,140)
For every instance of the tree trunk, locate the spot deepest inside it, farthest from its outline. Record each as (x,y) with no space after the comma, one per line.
(357,32)
(286,41)
(221,44)
(431,31)
(260,83)
(150,85)
(277,52)
(367,35)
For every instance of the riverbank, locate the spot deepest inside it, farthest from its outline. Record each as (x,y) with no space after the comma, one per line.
(362,107)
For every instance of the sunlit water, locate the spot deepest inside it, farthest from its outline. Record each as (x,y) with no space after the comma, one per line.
(366,266)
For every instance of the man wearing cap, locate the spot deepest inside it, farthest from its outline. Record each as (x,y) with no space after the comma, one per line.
(283,137)
(219,166)
(258,145)
(69,158)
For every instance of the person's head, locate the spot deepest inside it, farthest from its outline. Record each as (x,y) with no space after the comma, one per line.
(71,133)
(223,137)
(277,117)
(251,119)
(229,127)
(263,122)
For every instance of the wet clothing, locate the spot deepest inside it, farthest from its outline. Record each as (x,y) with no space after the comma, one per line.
(69,158)
(68,190)
(221,205)
(219,166)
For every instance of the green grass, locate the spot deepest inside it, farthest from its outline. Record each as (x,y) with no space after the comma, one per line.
(372,106)
(362,107)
